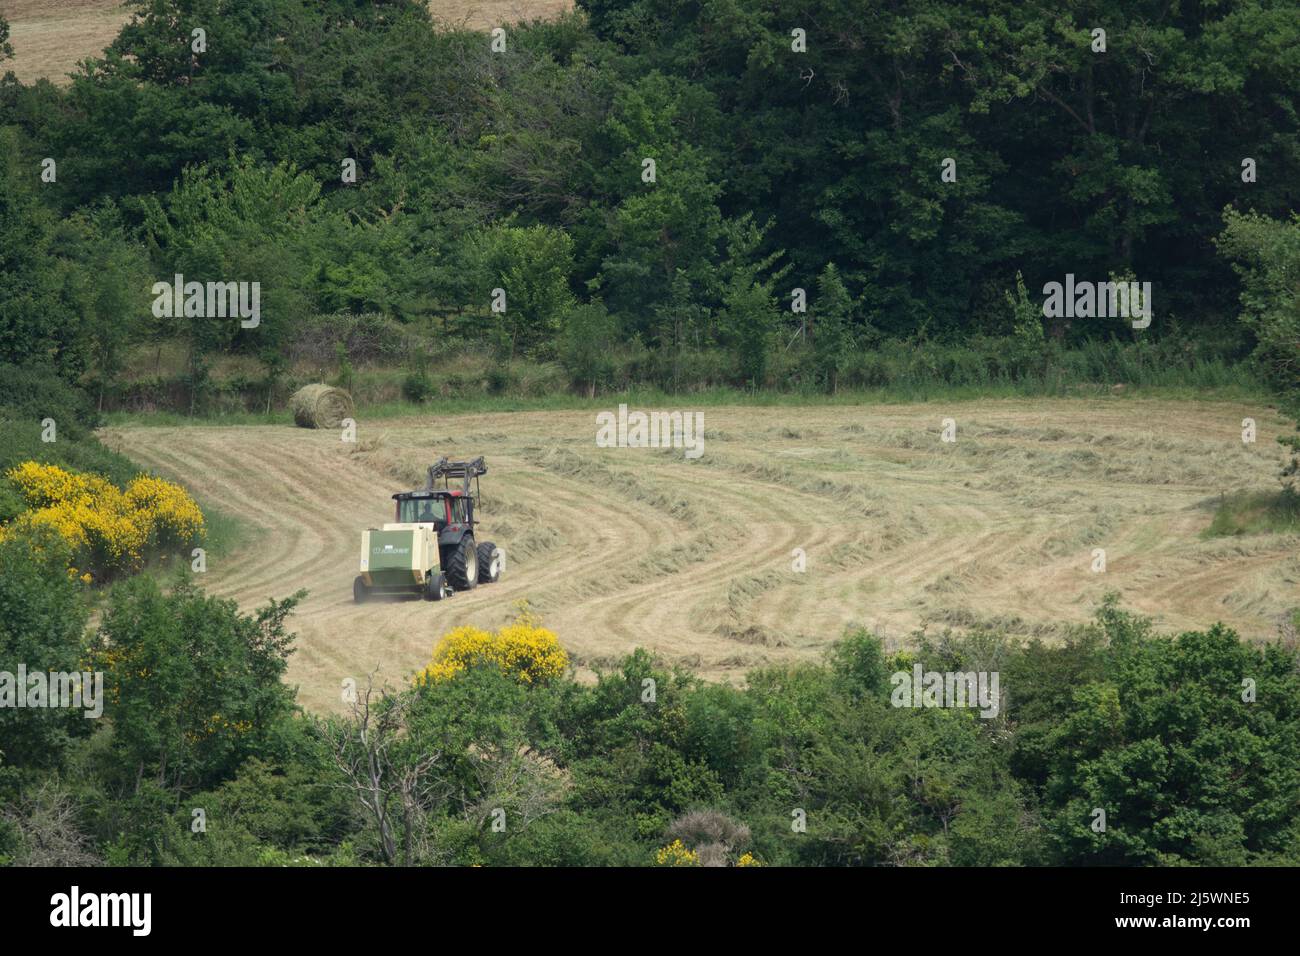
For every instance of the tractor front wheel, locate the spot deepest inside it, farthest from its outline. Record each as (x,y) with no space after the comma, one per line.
(462,566)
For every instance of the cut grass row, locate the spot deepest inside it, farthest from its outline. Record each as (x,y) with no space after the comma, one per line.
(1260,512)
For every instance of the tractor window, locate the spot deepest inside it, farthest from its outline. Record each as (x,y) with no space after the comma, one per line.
(458,512)
(423,510)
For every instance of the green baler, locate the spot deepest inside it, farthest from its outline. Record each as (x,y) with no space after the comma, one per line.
(429,547)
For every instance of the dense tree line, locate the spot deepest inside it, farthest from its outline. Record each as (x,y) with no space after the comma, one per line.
(775,168)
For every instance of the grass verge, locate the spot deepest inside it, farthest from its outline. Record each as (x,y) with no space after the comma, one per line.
(646,397)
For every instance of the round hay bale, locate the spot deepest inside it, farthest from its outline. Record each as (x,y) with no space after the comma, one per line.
(321,406)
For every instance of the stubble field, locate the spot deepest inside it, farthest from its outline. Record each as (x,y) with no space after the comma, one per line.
(623,547)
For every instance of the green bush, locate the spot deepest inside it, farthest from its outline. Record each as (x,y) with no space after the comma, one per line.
(417,387)
(42,628)
(196,685)
(32,393)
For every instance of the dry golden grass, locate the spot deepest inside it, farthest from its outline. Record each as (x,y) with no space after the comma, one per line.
(49,37)
(620,548)
(485,14)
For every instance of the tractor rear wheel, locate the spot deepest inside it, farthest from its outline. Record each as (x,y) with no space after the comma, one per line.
(462,565)
(359,590)
(491,562)
(433,586)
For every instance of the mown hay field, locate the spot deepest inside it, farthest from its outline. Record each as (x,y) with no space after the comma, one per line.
(50,37)
(624,547)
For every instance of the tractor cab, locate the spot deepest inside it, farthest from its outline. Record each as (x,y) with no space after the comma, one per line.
(429,547)
(448,508)
(417,507)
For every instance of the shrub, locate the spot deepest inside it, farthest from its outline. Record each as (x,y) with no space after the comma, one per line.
(416,387)
(676,854)
(108,530)
(711,836)
(174,520)
(524,650)
(587,344)
(192,685)
(42,622)
(36,392)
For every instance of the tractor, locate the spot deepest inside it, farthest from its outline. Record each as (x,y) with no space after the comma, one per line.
(429,548)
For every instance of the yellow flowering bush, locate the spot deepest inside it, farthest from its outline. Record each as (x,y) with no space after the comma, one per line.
(676,854)
(108,529)
(748,859)
(522,649)
(45,485)
(175,519)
